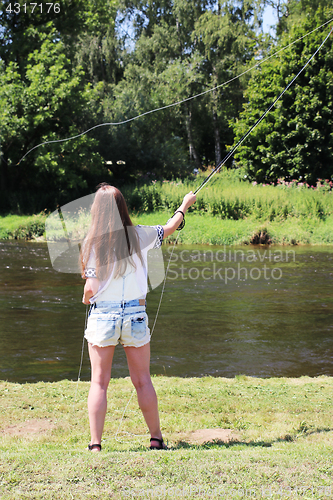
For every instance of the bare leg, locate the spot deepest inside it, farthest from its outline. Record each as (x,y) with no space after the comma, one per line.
(138,359)
(101,362)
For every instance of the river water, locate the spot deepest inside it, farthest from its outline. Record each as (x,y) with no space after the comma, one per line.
(225,311)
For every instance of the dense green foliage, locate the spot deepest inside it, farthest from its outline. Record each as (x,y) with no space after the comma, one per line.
(22,226)
(96,61)
(47,98)
(295,140)
(44,96)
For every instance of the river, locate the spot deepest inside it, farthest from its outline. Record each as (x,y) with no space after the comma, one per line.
(259,311)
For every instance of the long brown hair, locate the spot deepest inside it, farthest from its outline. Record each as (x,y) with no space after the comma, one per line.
(111,235)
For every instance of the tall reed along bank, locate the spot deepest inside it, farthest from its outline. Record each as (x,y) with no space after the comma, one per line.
(229,210)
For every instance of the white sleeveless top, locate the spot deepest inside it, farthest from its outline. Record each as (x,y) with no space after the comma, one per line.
(133,283)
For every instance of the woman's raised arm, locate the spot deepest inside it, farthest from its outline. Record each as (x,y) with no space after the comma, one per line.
(176,220)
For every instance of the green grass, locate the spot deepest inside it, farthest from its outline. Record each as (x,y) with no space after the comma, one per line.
(22,226)
(283,427)
(204,229)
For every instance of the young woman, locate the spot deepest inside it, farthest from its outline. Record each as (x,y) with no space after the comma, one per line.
(114,263)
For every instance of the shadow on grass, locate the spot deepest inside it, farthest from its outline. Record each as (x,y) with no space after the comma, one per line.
(216,443)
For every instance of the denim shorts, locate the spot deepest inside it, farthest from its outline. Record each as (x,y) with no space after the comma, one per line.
(112,322)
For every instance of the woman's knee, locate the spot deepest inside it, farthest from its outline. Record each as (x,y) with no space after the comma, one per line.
(141,381)
(101,380)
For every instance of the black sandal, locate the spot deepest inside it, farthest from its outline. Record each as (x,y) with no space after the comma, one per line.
(92,446)
(162,446)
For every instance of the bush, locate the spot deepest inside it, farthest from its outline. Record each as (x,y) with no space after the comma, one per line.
(229,196)
(22,227)
(33,229)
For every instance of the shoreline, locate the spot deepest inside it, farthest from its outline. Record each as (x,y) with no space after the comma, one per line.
(201,229)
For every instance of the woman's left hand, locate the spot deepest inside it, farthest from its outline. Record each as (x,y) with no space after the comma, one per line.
(90,289)
(85,301)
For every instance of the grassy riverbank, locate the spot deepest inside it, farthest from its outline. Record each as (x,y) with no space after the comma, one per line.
(206,229)
(22,227)
(202,229)
(277,441)
(228,211)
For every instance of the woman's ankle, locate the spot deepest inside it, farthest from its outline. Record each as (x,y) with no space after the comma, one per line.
(95,447)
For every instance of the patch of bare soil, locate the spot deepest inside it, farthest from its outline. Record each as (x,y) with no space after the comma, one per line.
(261,238)
(202,436)
(30,428)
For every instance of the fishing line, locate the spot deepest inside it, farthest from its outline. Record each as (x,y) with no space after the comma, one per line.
(82,351)
(152,331)
(164,282)
(175,103)
(211,175)
(195,192)
(222,162)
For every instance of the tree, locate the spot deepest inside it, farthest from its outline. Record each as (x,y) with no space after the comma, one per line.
(295,140)
(56,66)
(182,49)
(162,69)
(226,38)
(46,102)
(290,12)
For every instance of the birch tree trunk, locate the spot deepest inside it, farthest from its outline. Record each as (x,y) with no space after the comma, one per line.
(192,151)
(216,138)
(215,124)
